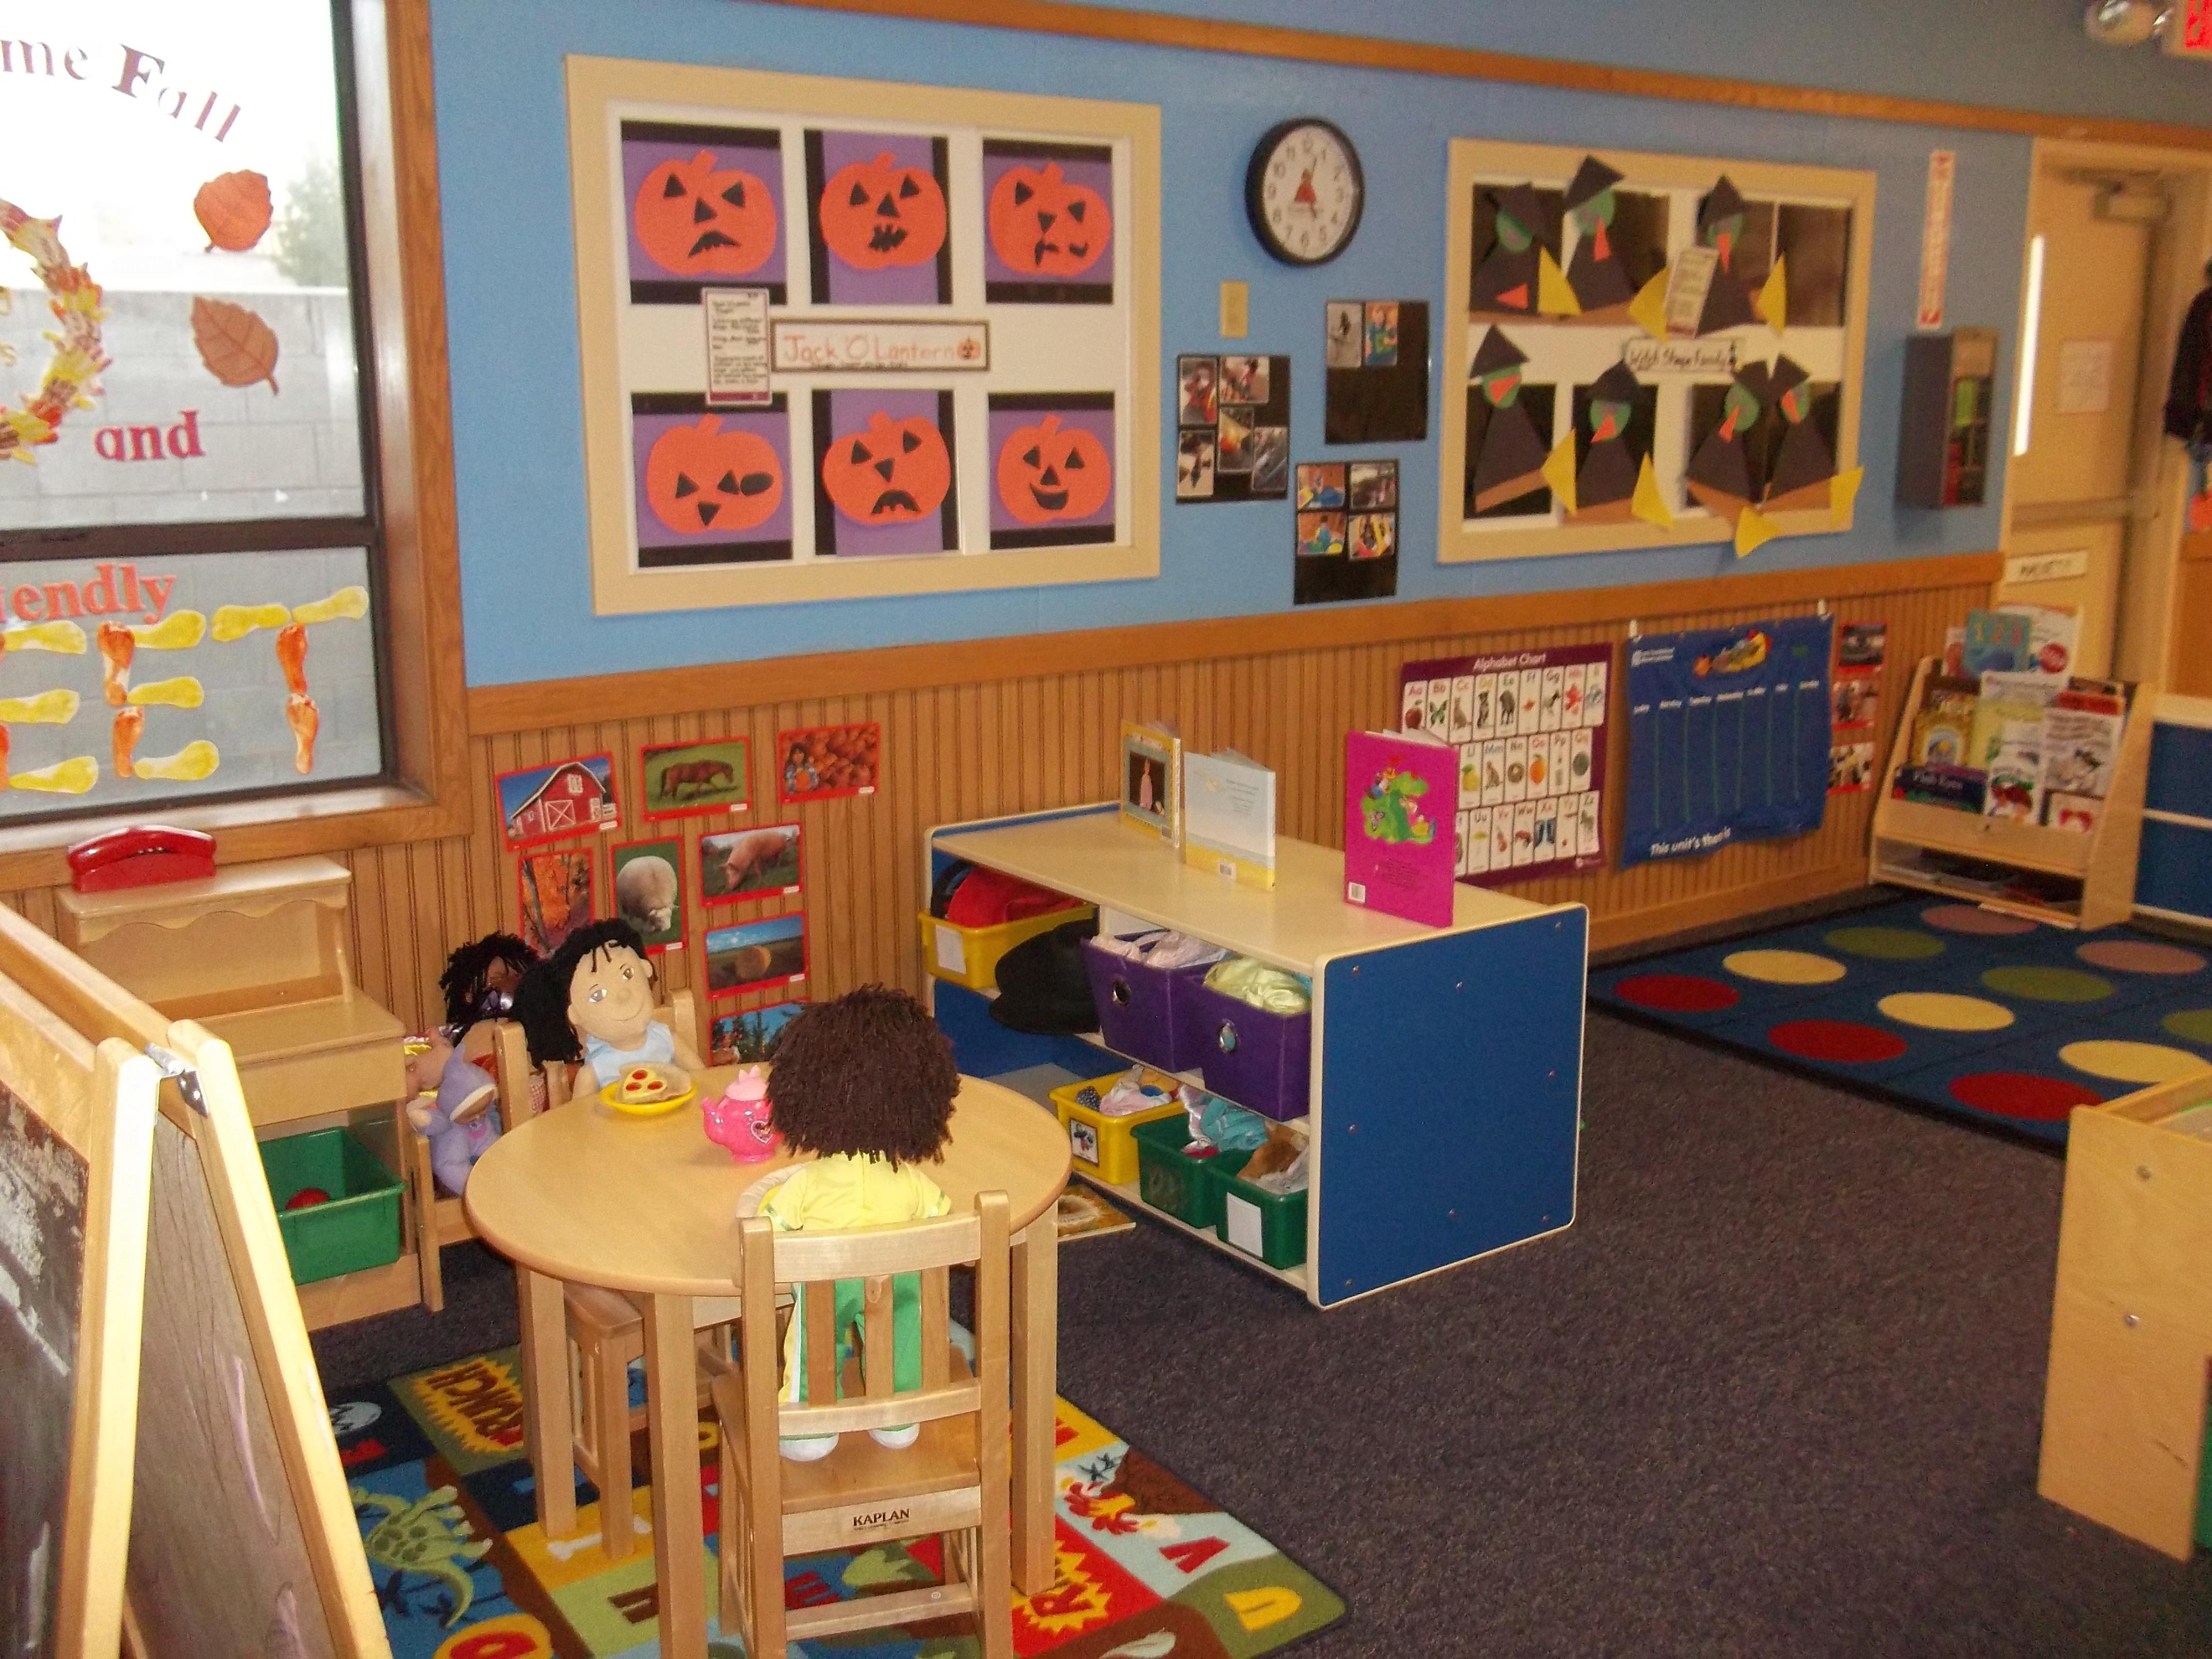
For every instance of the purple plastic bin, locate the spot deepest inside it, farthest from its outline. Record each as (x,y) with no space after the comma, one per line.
(1142,1010)
(1255,1058)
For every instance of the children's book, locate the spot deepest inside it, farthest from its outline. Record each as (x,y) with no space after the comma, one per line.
(1996,639)
(1151,780)
(1401,797)
(1228,817)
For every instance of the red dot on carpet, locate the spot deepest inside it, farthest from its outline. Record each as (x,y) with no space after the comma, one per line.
(1676,993)
(2022,1094)
(1843,1041)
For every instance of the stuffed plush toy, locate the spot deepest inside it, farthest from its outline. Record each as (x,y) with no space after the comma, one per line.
(454,1107)
(591,1000)
(480,978)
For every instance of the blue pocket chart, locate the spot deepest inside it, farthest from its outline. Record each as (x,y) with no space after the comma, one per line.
(1728,736)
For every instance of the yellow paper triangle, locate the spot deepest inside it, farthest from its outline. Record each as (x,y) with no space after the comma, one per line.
(1558,472)
(1649,504)
(1843,491)
(1555,295)
(1648,310)
(1753,530)
(1773,302)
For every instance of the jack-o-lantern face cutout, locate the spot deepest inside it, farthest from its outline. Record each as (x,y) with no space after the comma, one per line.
(699,220)
(1043,225)
(895,472)
(700,478)
(878,213)
(1049,471)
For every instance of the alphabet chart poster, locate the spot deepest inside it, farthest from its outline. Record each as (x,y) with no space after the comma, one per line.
(1728,736)
(1530,729)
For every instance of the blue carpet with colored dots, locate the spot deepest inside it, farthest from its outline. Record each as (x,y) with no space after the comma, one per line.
(1986,1016)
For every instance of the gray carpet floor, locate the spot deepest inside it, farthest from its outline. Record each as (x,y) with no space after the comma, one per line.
(1776,1393)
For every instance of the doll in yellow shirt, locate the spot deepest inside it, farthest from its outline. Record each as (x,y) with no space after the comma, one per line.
(865,1084)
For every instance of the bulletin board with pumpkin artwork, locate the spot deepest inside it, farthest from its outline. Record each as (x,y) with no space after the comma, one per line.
(845,337)
(1649,350)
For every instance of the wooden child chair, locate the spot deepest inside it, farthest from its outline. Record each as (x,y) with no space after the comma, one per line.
(953,1481)
(440,1220)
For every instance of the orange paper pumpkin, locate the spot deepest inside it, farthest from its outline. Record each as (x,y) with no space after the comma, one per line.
(878,213)
(699,220)
(1049,471)
(700,477)
(1043,225)
(895,472)
(232,208)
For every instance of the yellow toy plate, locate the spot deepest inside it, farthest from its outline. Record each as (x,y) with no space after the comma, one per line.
(677,1082)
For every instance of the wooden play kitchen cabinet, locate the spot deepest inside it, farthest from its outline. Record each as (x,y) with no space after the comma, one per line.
(1444,1079)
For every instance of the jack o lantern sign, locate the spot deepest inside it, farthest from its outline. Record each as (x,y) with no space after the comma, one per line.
(877,213)
(698,218)
(1048,472)
(894,472)
(701,478)
(1044,224)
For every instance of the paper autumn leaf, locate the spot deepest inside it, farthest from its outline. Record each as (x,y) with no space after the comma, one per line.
(232,208)
(238,348)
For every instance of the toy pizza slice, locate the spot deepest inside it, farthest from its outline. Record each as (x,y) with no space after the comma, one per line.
(647,1087)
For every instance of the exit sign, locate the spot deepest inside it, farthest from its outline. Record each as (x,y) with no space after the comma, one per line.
(2190,33)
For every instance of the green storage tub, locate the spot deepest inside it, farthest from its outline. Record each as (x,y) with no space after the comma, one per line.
(358,1228)
(1273,1222)
(1187,1188)
(2204,1488)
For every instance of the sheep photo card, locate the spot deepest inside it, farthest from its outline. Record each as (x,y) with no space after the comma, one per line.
(649,890)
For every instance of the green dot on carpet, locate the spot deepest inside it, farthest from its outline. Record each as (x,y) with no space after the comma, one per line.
(1886,944)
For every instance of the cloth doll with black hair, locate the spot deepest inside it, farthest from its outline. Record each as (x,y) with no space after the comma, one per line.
(591,1001)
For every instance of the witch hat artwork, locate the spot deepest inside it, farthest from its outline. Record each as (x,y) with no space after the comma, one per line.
(1509,455)
(1605,486)
(1595,273)
(1804,468)
(1721,221)
(1506,280)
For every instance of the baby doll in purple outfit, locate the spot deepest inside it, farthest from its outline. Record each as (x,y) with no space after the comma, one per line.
(455,1108)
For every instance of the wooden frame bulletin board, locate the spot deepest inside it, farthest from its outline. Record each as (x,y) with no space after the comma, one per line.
(921,299)
(1568,345)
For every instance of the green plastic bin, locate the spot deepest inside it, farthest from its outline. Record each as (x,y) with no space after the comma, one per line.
(358,1228)
(1187,1188)
(1275,1222)
(2204,1489)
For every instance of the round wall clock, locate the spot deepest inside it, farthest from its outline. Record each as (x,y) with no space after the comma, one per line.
(1304,191)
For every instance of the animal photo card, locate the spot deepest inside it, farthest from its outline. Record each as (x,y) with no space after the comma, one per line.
(703,779)
(566,798)
(1233,416)
(649,890)
(749,864)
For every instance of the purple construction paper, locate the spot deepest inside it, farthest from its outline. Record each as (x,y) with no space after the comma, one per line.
(1005,423)
(849,414)
(641,155)
(646,430)
(894,285)
(1099,175)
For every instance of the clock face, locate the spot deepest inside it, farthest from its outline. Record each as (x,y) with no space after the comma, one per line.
(1305,191)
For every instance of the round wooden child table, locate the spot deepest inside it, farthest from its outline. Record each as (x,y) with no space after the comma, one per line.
(583,1194)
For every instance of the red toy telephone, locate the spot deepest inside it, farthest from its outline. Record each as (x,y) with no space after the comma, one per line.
(140,856)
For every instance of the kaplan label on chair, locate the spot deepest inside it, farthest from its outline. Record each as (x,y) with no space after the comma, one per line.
(863,1523)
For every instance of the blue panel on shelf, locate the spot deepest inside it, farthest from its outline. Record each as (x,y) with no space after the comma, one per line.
(2181,777)
(983,1047)
(1452,1087)
(2174,868)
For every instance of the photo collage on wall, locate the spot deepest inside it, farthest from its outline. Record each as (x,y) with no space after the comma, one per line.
(908,343)
(1862,648)
(1376,355)
(1347,531)
(1233,437)
(1530,727)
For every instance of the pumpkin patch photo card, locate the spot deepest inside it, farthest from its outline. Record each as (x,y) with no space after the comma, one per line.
(711,487)
(1051,469)
(706,209)
(827,761)
(883,473)
(878,219)
(1049,223)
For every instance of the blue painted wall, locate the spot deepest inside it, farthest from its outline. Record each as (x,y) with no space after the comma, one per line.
(511,300)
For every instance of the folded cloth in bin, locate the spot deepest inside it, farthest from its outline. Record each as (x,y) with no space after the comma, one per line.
(1137,1089)
(1163,950)
(986,898)
(1275,989)
(1221,1124)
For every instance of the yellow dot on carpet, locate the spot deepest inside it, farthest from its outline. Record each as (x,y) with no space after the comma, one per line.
(1784,967)
(1941,1010)
(2132,1063)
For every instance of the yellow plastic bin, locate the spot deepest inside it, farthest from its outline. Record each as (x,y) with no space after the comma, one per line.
(1104,1146)
(969,956)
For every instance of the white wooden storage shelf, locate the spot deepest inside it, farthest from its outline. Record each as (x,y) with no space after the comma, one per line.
(1446,1082)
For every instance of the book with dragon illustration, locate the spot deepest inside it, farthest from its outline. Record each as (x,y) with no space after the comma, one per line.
(1400,801)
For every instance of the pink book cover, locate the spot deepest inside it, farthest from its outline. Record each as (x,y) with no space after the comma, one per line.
(1399,793)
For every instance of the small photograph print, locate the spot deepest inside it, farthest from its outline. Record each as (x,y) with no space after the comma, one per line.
(1244,379)
(749,864)
(1374,486)
(828,761)
(749,1038)
(1320,486)
(567,798)
(1194,466)
(756,954)
(695,780)
(1862,645)
(1858,699)
(1382,350)
(556,897)
(1234,452)
(1344,334)
(1271,460)
(1850,767)
(1321,535)
(649,890)
(1373,535)
(1198,381)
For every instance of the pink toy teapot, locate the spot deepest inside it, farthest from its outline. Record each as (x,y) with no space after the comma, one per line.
(738,1118)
